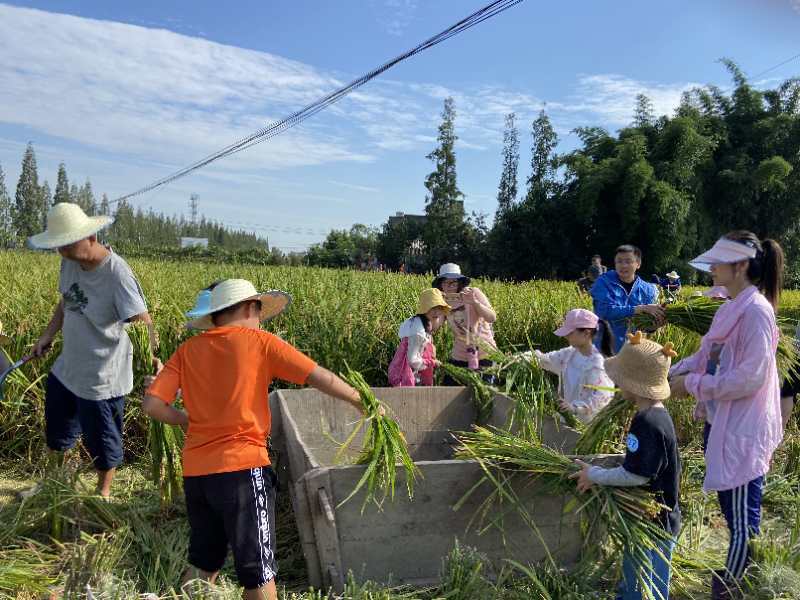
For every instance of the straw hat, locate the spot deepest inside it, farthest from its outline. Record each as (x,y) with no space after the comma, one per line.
(67,224)
(449,271)
(673,275)
(642,367)
(233,291)
(431,298)
(4,339)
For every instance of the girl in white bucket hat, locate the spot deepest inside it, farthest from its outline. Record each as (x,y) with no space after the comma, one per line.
(471,319)
(86,388)
(735,381)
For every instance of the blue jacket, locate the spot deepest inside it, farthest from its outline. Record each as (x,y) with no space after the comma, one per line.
(613,304)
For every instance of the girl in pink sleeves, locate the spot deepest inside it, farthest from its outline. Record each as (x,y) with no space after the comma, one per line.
(735,381)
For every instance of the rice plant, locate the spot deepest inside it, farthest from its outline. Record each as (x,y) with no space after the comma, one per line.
(532,389)
(482,393)
(384,448)
(696,315)
(339,318)
(604,433)
(164,441)
(626,515)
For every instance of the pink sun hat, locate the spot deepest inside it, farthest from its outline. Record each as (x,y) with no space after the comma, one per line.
(577,318)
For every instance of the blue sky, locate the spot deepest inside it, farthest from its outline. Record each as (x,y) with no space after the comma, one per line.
(126,92)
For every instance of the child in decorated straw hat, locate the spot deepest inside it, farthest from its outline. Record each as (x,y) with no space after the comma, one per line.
(224,374)
(640,370)
(415,359)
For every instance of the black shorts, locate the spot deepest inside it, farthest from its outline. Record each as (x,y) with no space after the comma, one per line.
(790,388)
(236,508)
(67,416)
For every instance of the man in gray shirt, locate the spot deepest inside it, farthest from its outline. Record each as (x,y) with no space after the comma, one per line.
(88,383)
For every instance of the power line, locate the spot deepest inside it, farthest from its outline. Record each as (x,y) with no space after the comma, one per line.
(487,12)
(780,64)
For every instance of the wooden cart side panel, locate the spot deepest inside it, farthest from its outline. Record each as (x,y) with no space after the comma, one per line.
(318,484)
(408,539)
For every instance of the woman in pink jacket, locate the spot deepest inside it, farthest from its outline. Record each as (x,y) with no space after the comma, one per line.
(735,381)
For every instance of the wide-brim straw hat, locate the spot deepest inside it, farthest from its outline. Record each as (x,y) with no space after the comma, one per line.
(449,271)
(67,224)
(234,291)
(431,298)
(673,275)
(642,367)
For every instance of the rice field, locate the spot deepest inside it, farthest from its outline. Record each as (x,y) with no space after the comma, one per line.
(63,538)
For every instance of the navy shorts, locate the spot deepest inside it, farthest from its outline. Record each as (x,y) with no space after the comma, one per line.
(236,508)
(100,421)
(790,388)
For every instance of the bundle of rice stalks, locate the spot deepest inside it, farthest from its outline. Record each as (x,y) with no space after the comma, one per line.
(166,469)
(604,433)
(626,515)
(532,388)
(384,447)
(164,441)
(482,393)
(27,569)
(696,314)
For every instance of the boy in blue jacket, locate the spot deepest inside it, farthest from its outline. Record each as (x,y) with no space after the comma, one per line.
(621,293)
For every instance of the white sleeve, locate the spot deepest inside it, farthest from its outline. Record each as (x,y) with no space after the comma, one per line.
(553,361)
(416,345)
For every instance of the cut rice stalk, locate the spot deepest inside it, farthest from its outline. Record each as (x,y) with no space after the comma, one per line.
(696,315)
(482,393)
(531,386)
(384,447)
(604,433)
(627,515)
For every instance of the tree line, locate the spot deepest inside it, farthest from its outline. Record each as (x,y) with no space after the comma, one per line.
(26,215)
(669,184)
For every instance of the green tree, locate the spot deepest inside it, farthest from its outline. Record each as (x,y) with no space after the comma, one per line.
(85,198)
(507,190)
(6,221)
(62,186)
(445,226)
(544,162)
(27,201)
(105,209)
(395,243)
(45,202)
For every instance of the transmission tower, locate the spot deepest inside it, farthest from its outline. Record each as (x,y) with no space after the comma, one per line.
(193,208)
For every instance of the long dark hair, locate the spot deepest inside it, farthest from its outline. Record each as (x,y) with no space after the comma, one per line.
(765,270)
(605,338)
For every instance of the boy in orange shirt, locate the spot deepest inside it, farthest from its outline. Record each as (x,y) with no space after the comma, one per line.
(224,375)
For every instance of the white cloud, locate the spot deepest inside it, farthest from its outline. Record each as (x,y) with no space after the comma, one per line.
(611,99)
(355,187)
(396,15)
(154,93)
